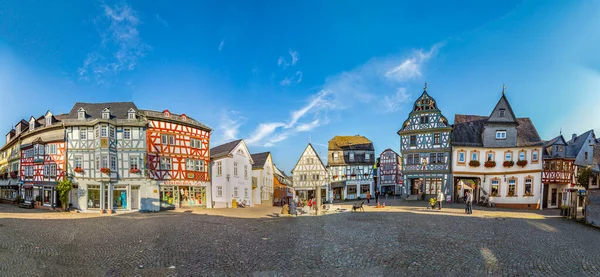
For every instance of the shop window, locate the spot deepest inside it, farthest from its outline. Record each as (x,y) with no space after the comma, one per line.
(119,198)
(512,187)
(167,197)
(528,186)
(352,189)
(93,195)
(364,189)
(495,188)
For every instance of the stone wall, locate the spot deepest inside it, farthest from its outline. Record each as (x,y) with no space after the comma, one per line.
(592,213)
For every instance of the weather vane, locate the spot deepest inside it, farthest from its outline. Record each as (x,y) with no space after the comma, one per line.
(425,88)
(503,88)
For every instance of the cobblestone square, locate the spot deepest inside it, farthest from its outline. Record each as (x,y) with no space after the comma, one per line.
(401,240)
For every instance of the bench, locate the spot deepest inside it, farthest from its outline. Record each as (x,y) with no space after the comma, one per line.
(26,205)
(357,206)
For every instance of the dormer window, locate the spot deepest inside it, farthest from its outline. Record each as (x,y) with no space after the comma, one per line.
(500,134)
(49,121)
(131,114)
(183,117)
(31,125)
(351,156)
(502,113)
(81,113)
(18,128)
(106,113)
(167,113)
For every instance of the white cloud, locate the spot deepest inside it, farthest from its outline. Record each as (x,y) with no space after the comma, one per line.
(231,121)
(120,48)
(161,20)
(283,62)
(380,83)
(221,45)
(294,55)
(296,79)
(391,103)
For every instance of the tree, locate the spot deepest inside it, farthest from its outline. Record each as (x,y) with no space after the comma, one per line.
(585,174)
(64,187)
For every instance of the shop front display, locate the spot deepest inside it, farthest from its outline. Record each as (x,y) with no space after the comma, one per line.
(119,197)
(182,196)
(93,195)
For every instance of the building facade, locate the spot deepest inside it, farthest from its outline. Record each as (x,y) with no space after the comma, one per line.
(309,174)
(231,168)
(10,159)
(42,160)
(557,175)
(262,179)
(389,172)
(106,148)
(177,158)
(283,192)
(350,160)
(426,151)
(498,158)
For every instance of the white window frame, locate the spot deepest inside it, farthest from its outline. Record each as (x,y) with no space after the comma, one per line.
(522,156)
(219,191)
(367,156)
(105,115)
(127,133)
(525,185)
(235,191)
(164,139)
(245,192)
(103,131)
(235,169)
(52,172)
(113,163)
(111,132)
(351,156)
(171,140)
(166,163)
(461,156)
(130,115)
(535,156)
(134,163)
(81,115)
(78,162)
(219,169)
(474,156)
(508,156)
(31,125)
(500,134)
(336,156)
(49,121)
(246,171)
(83,133)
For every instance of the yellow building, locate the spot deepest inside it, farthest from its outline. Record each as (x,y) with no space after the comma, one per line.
(10,156)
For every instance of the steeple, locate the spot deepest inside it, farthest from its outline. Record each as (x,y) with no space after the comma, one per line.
(503,112)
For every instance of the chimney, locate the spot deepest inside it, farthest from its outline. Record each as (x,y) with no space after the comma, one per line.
(573,138)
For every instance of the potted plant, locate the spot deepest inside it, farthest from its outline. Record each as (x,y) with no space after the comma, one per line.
(511,193)
(78,170)
(508,163)
(474,163)
(134,170)
(522,163)
(489,164)
(335,176)
(528,193)
(105,170)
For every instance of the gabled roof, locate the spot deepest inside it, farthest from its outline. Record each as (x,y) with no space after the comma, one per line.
(118,110)
(224,149)
(23,122)
(509,115)
(302,155)
(576,144)
(425,103)
(468,128)
(389,149)
(560,140)
(260,159)
(357,142)
(557,141)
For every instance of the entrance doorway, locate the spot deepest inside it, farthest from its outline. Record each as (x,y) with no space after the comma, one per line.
(337,193)
(463,184)
(554,197)
(415,187)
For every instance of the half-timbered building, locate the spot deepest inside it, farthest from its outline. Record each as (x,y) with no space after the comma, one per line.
(262,179)
(350,160)
(389,172)
(498,158)
(583,148)
(43,160)
(11,159)
(231,171)
(178,158)
(557,175)
(283,192)
(426,151)
(106,146)
(308,174)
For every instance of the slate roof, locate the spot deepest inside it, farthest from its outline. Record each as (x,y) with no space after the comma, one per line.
(576,144)
(259,159)
(223,149)
(468,128)
(118,110)
(559,140)
(357,142)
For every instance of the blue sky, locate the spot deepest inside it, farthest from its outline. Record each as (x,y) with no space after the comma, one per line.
(278,72)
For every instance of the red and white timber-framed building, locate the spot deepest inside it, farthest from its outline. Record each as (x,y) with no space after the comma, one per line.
(42,160)
(178,158)
(390,177)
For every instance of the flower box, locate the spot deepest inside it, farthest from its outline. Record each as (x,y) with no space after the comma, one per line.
(78,170)
(335,176)
(522,163)
(474,163)
(134,170)
(13,175)
(353,175)
(528,194)
(490,164)
(511,193)
(105,170)
(508,163)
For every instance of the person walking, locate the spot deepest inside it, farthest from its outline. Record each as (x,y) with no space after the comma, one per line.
(470,203)
(440,198)
(368,196)
(376,196)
